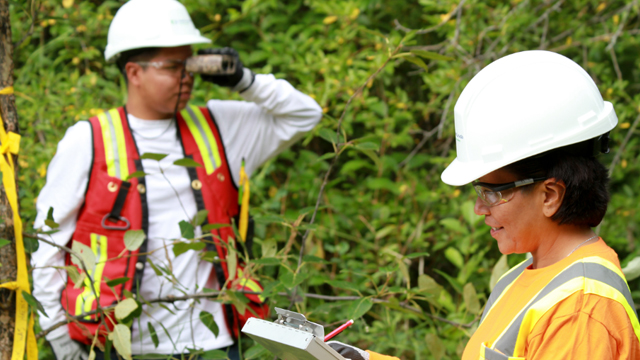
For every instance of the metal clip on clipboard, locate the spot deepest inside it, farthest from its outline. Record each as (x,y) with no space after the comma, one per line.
(291,337)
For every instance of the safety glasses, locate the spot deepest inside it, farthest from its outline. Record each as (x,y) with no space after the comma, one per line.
(498,194)
(171,67)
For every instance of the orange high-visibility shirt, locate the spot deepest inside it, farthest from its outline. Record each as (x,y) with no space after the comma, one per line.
(582,326)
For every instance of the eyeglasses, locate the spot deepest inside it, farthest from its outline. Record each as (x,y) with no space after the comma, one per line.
(498,194)
(171,67)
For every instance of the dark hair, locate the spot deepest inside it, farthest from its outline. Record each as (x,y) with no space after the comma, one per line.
(143,54)
(586,179)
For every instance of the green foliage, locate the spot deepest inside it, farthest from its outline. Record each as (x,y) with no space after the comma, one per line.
(389,232)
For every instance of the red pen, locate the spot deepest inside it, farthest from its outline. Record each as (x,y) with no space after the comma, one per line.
(338,330)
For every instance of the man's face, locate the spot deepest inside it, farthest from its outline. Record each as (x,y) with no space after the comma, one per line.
(160,87)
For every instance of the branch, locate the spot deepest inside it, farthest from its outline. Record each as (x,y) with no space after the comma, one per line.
(213,294)
(425,136)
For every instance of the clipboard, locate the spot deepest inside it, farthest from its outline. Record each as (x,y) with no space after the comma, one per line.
(291,337)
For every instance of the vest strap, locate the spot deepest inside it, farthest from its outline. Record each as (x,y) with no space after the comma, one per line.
(118,204)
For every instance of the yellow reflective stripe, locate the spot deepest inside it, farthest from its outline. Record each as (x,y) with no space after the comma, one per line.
(251,284)
(122,147)
(108,147)
(209,134)
(202,147)
(509,274)
(604,290)
(84,302)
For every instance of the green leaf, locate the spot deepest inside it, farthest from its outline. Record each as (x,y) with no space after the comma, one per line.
(125,308)
(417,255)
(417,61)
(499,269)
(214,355)
(154,267)
(116,282)
(87,257)
(187,230)
(74,274)
(133,239)
(187,162)
(359,307)
(454,225)
(328,135)
(49,220)
(121,338)
(632,270)
(454,283)
(153,334)
(435,345)
(34,303)
(182,247)
(471,298)
(427,285)
(30,245)
(153,156)
(232,260)
(431,55)
(454,256)
(313,259)
(200,217)
(137,174)
(267,261)
(209,322)
(256,351)
(269,248)
(210,227)
(367,146)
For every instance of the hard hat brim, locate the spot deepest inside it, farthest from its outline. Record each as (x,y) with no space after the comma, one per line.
(111,53)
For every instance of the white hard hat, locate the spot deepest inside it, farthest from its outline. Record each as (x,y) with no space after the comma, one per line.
(522,105)
(151,23)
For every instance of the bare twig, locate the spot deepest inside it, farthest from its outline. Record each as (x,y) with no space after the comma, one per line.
(458,21)
(425,136)
(440,126)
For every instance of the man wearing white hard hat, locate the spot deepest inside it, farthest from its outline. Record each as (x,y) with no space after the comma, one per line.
(115,173)
(529,128)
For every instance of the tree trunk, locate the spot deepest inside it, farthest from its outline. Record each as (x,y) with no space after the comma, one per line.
(8,268)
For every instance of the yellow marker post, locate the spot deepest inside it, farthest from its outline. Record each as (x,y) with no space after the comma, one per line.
(23,334)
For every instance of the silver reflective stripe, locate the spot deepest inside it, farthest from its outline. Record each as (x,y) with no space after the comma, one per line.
(490,354)
(114,144)
(203,135)
(502,285)
(507,343)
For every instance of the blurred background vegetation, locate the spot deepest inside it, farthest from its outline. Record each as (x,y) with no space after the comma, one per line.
(388,232)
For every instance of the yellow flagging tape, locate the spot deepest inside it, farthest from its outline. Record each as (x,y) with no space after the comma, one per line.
(24,334)
(244,209)
(6,91)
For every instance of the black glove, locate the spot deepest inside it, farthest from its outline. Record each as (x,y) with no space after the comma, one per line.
(230,80)
(348,351)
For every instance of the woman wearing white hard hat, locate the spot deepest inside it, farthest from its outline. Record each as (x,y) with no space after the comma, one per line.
(528,129)
(96,201)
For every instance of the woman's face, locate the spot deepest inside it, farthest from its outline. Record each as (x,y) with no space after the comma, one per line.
(518,224)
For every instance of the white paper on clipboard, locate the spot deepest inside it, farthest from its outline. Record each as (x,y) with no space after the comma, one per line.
(291,337)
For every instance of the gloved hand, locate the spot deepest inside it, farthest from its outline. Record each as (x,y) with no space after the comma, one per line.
(348,351)
(66,349)
(230,80)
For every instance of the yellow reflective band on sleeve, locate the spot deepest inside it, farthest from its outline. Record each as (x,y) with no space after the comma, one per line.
(108,145)
(251,284)
(122,147)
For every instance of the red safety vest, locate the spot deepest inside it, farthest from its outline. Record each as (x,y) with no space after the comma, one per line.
(115,204)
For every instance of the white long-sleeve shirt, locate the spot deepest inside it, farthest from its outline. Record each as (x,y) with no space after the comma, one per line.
(273,117)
